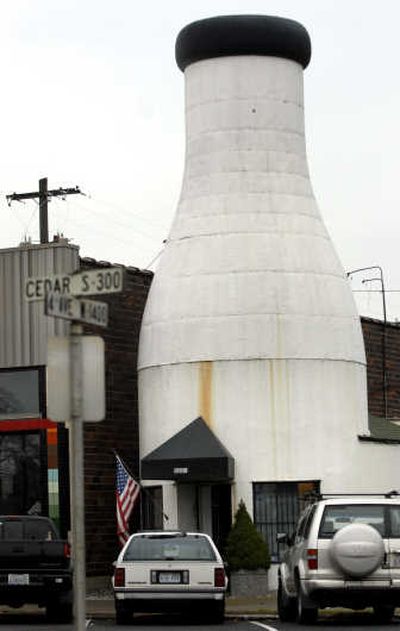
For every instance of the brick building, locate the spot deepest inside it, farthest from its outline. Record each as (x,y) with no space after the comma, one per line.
(119,431)
(382,347)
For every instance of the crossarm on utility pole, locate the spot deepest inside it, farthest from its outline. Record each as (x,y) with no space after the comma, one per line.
(43,195)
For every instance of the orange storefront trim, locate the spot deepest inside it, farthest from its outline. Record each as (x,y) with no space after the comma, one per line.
(17,425)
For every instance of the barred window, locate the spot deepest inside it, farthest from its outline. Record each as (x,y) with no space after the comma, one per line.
(277,506)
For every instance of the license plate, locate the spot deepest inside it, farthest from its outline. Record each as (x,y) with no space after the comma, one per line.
(169,577)
(18,579)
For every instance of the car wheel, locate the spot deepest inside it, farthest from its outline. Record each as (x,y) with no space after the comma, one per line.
(218,615)
(59,612)
(286,605)
(305,614)
(123,613)
(383,613)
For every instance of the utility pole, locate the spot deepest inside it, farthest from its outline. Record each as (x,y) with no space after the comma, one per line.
(43,194)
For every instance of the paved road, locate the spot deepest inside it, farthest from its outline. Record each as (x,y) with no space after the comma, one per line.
(37,622)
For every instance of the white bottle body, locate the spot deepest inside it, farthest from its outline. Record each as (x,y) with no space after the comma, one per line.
(250,321)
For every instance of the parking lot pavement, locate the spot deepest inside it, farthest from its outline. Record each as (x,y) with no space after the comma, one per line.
(98,606)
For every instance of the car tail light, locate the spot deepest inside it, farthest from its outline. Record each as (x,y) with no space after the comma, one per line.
(312,559)
(219,577)
(67,551)
(119,577)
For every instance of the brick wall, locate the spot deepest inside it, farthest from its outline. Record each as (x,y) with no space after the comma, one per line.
(119,430)
(381,341)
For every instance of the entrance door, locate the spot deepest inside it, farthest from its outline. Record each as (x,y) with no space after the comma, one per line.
(221,513)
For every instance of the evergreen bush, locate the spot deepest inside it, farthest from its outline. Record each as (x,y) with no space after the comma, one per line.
(245,547)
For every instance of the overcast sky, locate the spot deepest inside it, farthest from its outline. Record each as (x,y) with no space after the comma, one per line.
(91,96)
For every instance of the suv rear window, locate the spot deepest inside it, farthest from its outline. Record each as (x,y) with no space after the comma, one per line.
(336,517)
(182,547)
(30,529)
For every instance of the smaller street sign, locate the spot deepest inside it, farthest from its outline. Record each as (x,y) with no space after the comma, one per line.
(80,309)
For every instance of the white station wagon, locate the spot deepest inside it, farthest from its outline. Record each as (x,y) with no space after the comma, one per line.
(169,571)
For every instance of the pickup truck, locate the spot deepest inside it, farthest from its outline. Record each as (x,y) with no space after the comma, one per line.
(35,566)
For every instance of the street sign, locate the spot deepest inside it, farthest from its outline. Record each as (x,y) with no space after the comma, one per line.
(105,280)
(80,309)
(36,288)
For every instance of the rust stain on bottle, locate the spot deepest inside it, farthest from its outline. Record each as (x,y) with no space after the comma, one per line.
(205,392)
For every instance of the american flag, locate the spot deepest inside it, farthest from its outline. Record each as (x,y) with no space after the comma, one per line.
(127,492)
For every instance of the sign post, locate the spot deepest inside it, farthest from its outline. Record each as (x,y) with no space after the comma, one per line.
(77,475)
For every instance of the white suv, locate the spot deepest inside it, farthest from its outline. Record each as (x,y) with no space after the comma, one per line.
(345,552)
(164,571)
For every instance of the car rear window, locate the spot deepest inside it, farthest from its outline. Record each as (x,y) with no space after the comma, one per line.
(182,547)
(33,530)
(336,517)
(395,521)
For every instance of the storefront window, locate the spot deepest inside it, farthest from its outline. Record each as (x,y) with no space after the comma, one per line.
(20,393)
(20,473)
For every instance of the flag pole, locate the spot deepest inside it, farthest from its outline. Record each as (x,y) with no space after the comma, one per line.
(142,488)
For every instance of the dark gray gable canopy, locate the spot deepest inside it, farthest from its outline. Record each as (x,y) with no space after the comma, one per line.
(192,455)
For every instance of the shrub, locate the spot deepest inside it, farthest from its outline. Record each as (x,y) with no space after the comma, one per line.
(245,547)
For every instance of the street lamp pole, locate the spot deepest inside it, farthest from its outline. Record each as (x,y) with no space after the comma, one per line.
(384,370)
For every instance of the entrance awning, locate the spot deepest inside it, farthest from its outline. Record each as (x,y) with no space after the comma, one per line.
(192,455)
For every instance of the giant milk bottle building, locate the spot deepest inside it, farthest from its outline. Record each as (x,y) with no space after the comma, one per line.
(252,379)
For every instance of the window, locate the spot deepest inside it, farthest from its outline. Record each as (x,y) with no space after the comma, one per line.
(169,548)
(20,473)
(302,525)
(31,529)
(277,506)
(21,393)
(336,517)
(39,531)
(394,513)
(309,519)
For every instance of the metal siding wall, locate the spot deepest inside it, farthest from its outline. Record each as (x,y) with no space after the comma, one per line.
(24,328)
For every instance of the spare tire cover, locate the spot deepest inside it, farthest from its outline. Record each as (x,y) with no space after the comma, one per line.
(357,549)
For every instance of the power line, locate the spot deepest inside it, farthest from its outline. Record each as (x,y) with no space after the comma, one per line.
(116,222)
(153,260)
(99,231)
(125,211)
